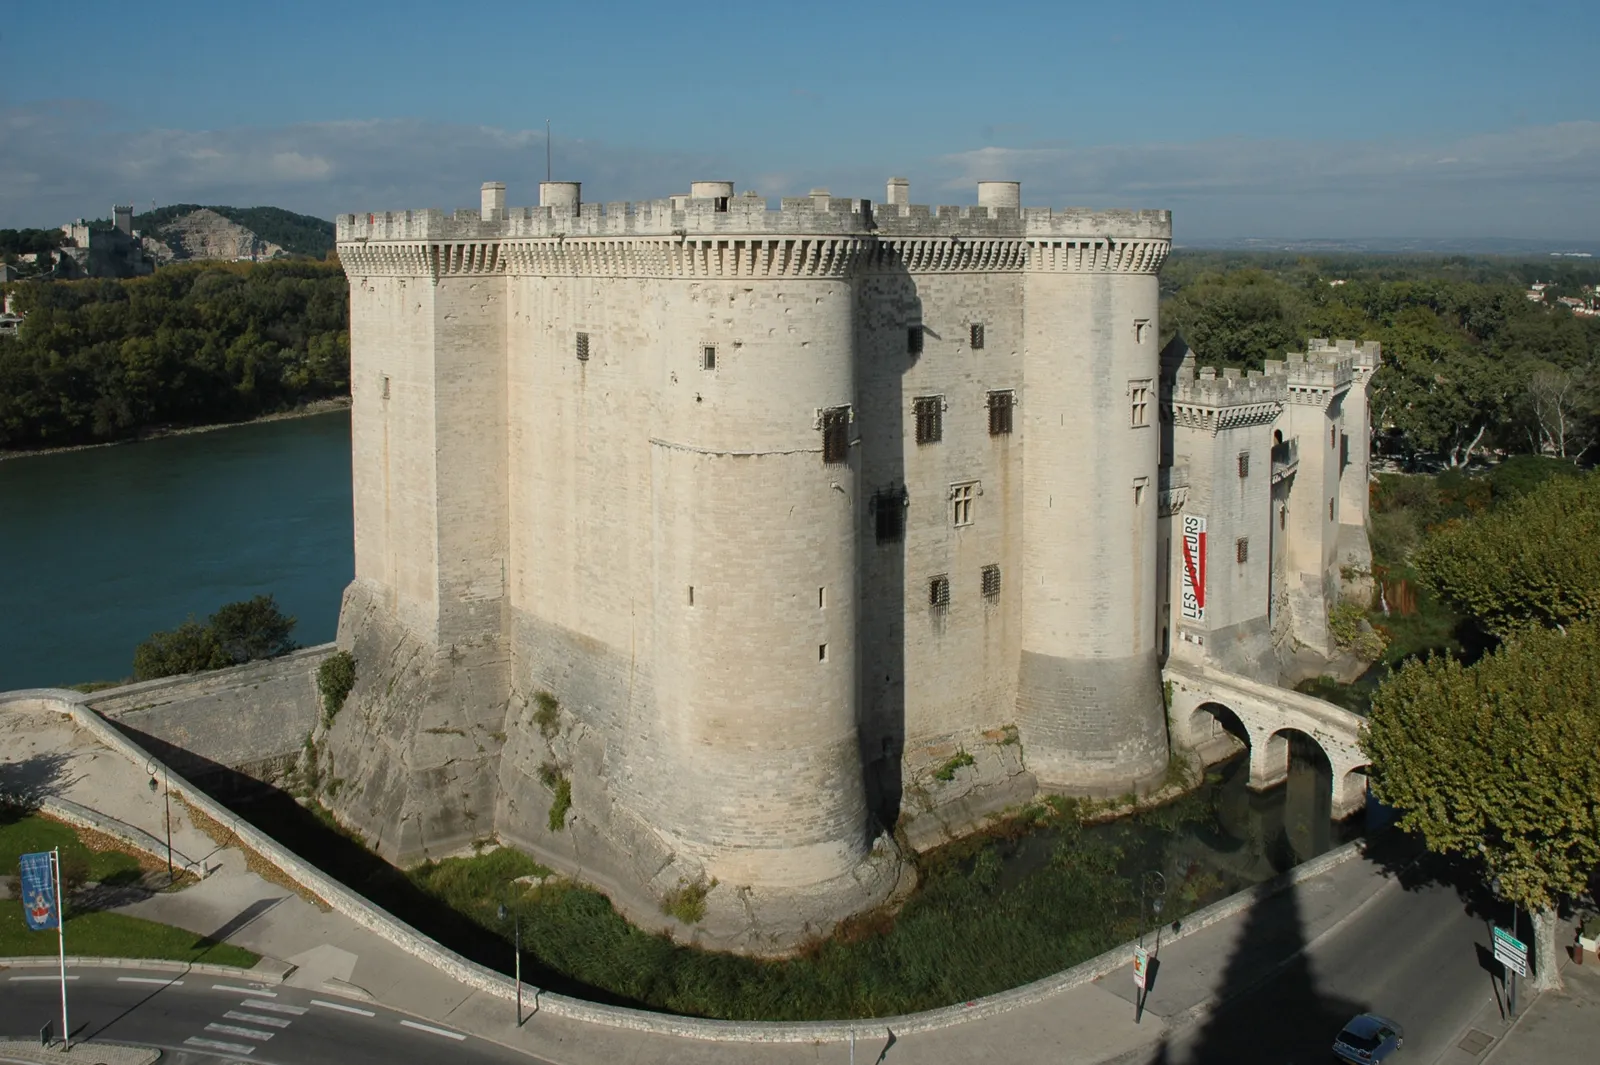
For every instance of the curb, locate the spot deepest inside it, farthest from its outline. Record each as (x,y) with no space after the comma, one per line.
(383,924)
(274,973)
(137,838)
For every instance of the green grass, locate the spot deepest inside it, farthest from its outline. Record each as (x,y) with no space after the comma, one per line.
(971,929)
(115,935)
(92,933)
(27,833)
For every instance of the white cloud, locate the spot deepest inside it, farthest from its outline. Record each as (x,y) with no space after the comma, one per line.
(65,159)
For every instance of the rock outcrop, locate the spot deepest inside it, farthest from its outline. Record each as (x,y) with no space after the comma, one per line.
(205,234)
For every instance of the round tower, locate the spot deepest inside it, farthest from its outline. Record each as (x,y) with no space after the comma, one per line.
(748,761)
(1089,704)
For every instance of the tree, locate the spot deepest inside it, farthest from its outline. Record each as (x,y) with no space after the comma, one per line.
(1531,562)
(189,648)
(1497,761)
(252,629)
(237,633)
(1556,403)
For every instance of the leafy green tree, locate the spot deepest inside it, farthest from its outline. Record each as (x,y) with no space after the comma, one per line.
(189,648)
(252,629)
(1531,562)
(1497,760)
(238,632)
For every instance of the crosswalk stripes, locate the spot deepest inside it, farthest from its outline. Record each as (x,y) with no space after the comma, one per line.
(256,1018)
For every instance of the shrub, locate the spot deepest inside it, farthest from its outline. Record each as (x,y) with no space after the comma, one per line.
(1345,625)
(947,772)
(335,677)
(237,633)
(687,902)
(546,714)
(550,776)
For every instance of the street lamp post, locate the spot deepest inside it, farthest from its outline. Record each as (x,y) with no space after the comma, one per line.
(516,925)
(166,792)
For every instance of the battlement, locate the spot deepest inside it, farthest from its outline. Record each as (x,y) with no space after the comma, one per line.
(1206,388)
(1326,370)
(819,214)
(1363,355)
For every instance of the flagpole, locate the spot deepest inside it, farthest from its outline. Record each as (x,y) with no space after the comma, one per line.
(61,940)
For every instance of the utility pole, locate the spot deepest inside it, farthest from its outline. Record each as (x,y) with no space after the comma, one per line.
(547,150)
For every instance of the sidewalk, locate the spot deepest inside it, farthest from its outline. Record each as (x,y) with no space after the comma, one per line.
(1556,1026)
(1091,1023)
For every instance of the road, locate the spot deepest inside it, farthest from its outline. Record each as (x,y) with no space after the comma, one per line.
(1416,956)
(197,1018)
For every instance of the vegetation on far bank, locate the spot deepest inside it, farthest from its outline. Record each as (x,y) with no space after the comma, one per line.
(192,344)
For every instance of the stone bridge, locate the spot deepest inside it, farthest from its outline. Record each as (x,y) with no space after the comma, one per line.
(1212,711)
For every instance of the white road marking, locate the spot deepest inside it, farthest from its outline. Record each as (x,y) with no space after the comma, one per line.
(436,1031)
(244,990)
(57,977)
(148,980)
(256,1018)
(246,1033)
(342,1006)
(274,1007)
(214,1044)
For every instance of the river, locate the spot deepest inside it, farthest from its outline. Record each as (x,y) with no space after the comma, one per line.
(104,546)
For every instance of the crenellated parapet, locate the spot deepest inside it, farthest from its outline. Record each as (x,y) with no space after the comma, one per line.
(1211,403)
(740,236)
(1315,378)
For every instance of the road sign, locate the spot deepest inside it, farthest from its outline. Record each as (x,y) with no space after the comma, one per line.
(1141,964)
(1511,952)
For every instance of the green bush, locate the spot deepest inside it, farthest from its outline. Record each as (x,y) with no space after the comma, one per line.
(551,776)
(947,772)
(1345,626)
(546,714)
(335,677)
(687,902)
(239,632)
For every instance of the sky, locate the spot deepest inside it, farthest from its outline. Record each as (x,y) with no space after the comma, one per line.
(1405,118)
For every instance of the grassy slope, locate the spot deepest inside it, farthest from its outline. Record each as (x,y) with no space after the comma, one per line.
(94,934)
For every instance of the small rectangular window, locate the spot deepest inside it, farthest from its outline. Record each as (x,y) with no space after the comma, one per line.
(1330,510)
(385,386)
(708,357)
(961,496)
(691,595)
(822,652)
(889,515)
(1241,549)
(976,338)
(1141,326)
(835,435)
(1139,403)
(914,340)
(1000,407)
(929,412)
(582,347)
(991,582)
(939,594)
(1244,464)
(822,598)
(720,204)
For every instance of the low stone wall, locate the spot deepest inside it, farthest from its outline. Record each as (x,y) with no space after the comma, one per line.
(250,719)
(430,951)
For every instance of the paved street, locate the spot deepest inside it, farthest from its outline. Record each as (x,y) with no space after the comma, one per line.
(1413,955)
(201,1018)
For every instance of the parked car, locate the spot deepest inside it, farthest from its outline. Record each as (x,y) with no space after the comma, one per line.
(1368,1038)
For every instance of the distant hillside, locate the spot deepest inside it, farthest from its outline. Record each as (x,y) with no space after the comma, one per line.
(297,234)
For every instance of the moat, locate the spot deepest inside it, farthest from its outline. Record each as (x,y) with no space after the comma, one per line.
(1036,895)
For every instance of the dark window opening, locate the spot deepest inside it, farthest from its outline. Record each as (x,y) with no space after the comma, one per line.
(889,512)
(939,594)
(914,340)
(582,347)
(991,582)
(977,336)
(930,418)
(1244,464)
(1000,407)
(708,358)
(835,435)
(721,203)
(1241,549)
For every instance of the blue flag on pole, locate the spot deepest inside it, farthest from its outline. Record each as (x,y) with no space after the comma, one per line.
(39,892)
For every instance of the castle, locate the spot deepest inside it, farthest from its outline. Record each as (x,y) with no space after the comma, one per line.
(724,524)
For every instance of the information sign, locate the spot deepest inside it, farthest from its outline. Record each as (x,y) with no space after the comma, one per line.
(1511,952)
(1141,965)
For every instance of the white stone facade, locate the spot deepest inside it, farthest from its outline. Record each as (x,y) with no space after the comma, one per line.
(777,504)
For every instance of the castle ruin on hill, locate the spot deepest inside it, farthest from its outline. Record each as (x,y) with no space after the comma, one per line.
(738,524)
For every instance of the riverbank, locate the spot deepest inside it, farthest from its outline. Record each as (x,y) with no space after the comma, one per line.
(305,410)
